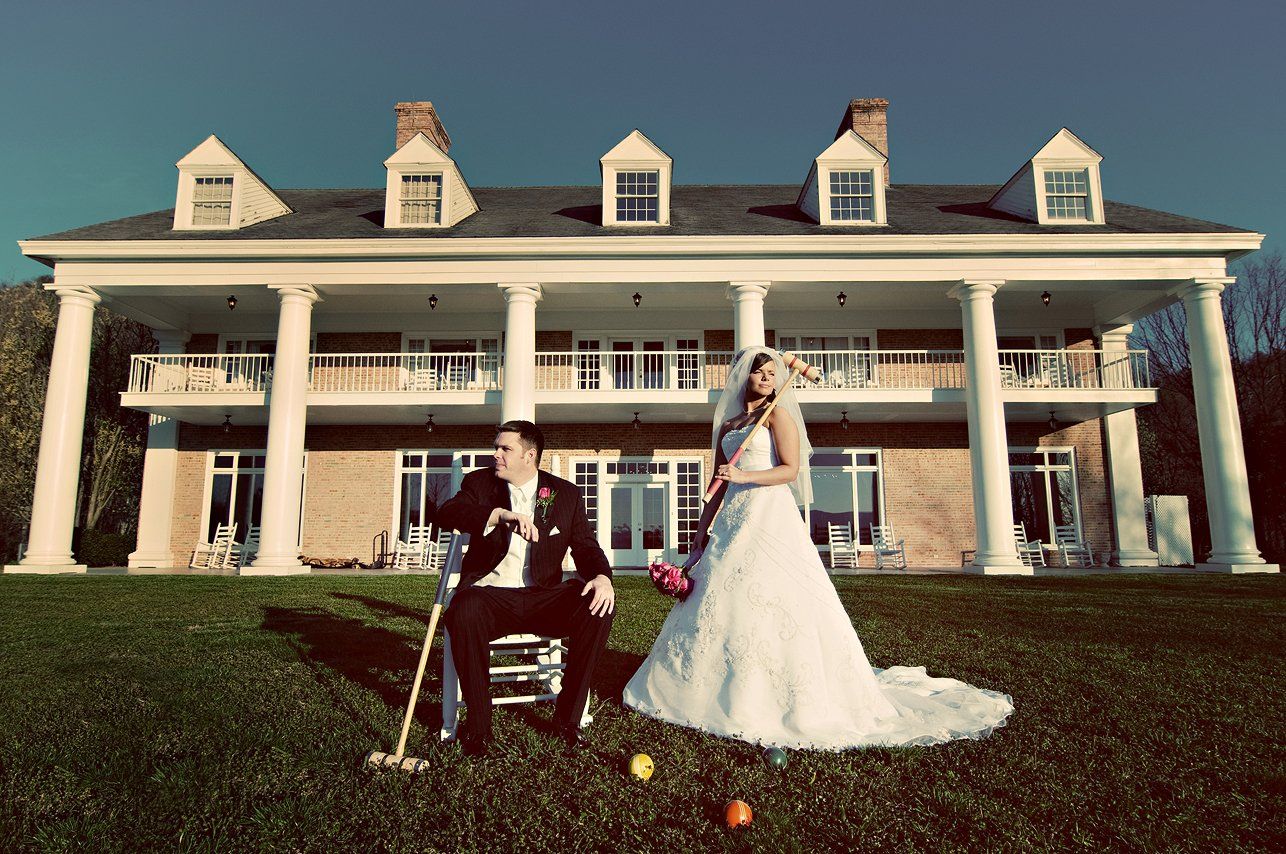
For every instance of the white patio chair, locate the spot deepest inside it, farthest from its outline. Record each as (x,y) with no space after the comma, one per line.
(888,549)
(413,552)
(843,549)
(545,668)
(1072,550)
(213,554)
(436,551)
(240,554)
(200,378)
(422,379)
(1030,552)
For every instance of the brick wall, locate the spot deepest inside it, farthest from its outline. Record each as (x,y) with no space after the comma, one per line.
(919,339)
(554,340)
(927,477)
(359,342)
(1079,338)
(204,342)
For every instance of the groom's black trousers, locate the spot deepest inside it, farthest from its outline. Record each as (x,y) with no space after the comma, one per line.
(479,615)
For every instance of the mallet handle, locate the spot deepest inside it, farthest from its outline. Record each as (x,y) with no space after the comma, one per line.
(419,675)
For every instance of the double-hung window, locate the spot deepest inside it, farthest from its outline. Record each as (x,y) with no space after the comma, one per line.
(212,201)
(1067,194)
(852,195)
(637,196)
(421,199)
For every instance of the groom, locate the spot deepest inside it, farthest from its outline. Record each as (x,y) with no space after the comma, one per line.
(521,523)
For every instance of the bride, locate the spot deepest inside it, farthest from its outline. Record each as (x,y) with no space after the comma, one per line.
(763,650)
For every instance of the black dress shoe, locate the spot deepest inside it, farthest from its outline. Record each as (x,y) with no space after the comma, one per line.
(573,740)
(475,748)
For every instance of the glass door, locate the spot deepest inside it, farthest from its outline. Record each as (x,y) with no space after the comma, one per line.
(638,523)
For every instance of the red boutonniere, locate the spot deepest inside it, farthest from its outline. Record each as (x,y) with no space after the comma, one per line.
(544,498)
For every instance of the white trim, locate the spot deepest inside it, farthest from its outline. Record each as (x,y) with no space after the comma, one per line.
(1035,333)
(821,332)
(668,336)
(1047,468)
(452,335)
(852,470)
(208,487)
(545,247)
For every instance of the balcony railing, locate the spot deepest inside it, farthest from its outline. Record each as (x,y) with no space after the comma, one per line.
(592,371)
(615,370)
(361,372)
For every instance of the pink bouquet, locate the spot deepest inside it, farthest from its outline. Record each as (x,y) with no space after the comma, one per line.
(670,580)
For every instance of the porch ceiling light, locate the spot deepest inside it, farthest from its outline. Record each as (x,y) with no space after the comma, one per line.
(843,420)
(433,302)
(232,301)
(636,423)
(841,298)
(638,298)
(1045,298)
(1052,422)
(227,423)
(429,425)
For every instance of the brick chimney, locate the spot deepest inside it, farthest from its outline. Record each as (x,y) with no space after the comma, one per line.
(869,117)
(418,116)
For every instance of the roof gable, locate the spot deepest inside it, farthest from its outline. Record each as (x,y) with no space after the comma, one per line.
(1066,145)
(254,200)
(851,146)
(635,146)
(419,149)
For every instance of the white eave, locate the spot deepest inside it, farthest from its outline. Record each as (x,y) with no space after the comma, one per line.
(1230,244)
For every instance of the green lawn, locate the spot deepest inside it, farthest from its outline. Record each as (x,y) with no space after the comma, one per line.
(208,713)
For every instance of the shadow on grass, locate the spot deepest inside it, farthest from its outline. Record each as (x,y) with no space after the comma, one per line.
(392,609)
(381,661)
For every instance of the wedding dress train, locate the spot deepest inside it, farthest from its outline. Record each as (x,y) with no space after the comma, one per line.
(763,650)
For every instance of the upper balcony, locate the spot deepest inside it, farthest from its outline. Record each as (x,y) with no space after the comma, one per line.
(606,385)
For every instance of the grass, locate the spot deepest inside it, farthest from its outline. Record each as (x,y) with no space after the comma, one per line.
(207,713)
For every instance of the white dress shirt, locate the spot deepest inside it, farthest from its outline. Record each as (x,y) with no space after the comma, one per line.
(514,570)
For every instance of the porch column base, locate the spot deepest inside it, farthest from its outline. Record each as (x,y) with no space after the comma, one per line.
(1223,568)
(1134,557)
(258,568)
(998,569)
(36,569)
(152,560)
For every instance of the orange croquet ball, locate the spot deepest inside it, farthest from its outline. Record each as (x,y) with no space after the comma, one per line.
(641,766)
(738,814)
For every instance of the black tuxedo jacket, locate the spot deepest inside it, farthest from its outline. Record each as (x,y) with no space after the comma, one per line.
(481,492)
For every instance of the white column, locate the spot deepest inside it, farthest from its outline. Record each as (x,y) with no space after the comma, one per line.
(1223,458)
(53,506)
(748,316)
(993,506)
(518,393)
(160,463)
(283,476)
(1125,472)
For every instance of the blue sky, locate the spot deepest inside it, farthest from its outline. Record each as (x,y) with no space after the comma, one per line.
(98,100)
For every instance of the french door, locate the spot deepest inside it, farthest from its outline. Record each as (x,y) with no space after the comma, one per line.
(639,516)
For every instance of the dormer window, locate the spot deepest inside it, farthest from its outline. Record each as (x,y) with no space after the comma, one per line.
(1067,194)
(637,196)
(852,195)
(845,185)
(421,199)
(219,192)
(636,183)
(212,201)
(1059,185)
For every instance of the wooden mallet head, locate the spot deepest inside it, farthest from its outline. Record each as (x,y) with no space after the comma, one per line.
(807,371)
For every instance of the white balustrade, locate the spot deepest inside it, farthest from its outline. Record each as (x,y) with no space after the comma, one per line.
(650,370)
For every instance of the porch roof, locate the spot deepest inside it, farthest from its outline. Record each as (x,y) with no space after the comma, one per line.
(697,210)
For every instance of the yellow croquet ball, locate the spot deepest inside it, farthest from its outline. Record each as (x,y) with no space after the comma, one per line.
(738,814)
(641,766)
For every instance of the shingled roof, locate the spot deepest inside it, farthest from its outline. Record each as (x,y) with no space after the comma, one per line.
(724,210)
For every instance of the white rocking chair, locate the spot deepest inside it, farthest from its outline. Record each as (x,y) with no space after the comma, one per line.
(413,552)
(888,549)
(1030,552)
(214,554)
(546,669)
(843,549)
(1071,547)
(241,554)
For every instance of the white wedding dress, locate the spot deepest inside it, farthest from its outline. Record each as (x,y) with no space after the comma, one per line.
(763,651)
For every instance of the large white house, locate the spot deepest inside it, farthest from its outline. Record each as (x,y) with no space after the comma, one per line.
(332,361)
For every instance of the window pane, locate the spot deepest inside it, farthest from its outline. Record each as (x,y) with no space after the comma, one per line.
(832,501)
(220,503)
(1029,503)
(823,458)
(868,505)
(1064,498)
(412,499)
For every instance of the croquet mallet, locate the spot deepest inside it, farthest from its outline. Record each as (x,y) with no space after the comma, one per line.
(398,759)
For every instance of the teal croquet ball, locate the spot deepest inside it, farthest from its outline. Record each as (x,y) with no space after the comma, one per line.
(775,758)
